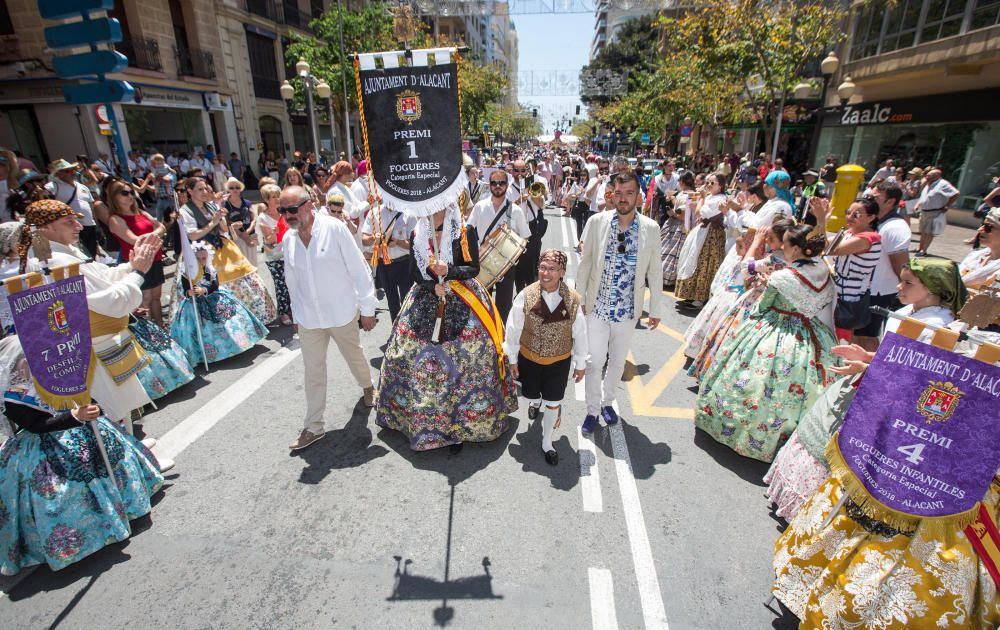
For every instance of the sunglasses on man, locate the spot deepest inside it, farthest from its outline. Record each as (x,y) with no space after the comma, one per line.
(987,228)
(292,209)
(498,183)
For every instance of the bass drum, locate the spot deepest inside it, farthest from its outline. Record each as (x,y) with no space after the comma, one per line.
(500,253)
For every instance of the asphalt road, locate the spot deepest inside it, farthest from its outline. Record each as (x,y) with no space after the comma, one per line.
(649,524)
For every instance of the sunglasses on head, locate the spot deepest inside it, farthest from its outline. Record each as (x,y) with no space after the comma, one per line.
(292,209)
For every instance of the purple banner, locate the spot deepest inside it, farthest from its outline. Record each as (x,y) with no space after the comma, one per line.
(921,434)
(53,325)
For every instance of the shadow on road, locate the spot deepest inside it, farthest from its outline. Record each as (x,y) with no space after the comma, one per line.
(528,452)
(746,468)
(644,453)
(348,447)
(456,467)
(409,587)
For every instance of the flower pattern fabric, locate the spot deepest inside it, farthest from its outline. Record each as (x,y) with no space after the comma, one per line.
(698,286)
(284,305)
(57,504)
(767,376)
(228,328)
(851,575)
(793,478)
(616,297)
(445,393)
(671,241)
(169,368)
(250,290)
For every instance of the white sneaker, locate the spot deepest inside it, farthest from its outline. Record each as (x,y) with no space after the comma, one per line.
(149,442)
(165,464)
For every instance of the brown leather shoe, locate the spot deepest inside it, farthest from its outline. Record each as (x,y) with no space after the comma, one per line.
(369,396)
(305,438)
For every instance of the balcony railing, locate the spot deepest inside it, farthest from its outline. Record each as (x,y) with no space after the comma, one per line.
(266,87)
(194,62)
(280,12)
(142,52)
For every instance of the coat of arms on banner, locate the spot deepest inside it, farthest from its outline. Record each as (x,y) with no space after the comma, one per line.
(58,321)
(939,401)
(408,106)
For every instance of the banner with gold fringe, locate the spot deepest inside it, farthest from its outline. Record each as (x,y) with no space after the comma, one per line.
(53,325)
(918,444)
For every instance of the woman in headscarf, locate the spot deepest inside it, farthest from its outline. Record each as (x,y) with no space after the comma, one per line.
(767,376)
(228,327)
(57,503)
(458,389)
(203,220)
(932,292)
(705,245)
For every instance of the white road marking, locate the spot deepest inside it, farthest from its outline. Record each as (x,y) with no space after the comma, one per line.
(565,232)
(196,425)
(590,479)
(602,600)
(653,612)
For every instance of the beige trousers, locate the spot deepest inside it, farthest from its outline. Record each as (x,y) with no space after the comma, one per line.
(315,342)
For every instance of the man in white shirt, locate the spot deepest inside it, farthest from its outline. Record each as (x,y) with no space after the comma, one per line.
(884,173)
(894,232)
(665,184)
(392,242)
(487,216)
(64,187)
(935,197)
(330,286)
(104,163)
(546,336)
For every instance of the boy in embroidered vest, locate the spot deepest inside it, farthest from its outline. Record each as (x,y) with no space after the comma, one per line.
(546,336)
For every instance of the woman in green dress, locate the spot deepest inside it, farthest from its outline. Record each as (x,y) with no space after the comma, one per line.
(766,376)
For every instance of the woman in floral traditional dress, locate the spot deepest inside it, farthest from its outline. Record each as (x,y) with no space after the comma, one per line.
(858,572)
(932,292)
(169,367)
(765,378)
(57,504)
(458,390)
(203,220)
(678,222)
(755,274)
(228,327)
(705,245)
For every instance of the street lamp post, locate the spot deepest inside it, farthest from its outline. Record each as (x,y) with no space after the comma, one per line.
(828,67)
(323,91)
(288,93)
(343,81)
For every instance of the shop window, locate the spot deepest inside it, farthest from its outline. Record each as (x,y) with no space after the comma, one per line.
(944,19)
(986,13)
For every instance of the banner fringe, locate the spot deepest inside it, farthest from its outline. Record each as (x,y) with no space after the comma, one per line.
(428,207)
(933,526)
(62,403)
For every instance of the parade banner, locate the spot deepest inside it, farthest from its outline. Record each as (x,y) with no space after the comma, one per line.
(414,145)
(53,325)
(919,440)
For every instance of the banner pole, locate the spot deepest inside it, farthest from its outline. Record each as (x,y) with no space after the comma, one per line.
(197,327)
(104,452)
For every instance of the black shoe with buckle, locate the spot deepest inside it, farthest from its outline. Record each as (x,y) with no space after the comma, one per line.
(533,411)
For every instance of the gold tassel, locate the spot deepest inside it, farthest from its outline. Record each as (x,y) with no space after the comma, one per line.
(932,526)
(466,255)
(385,254)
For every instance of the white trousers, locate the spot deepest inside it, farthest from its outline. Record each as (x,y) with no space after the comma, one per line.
(608,342)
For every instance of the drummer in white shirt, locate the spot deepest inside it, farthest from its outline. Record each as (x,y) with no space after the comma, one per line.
(487,216)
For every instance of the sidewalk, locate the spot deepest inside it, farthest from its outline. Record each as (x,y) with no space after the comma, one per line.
(949,245)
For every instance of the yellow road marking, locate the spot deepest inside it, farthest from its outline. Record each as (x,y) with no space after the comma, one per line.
(643,396)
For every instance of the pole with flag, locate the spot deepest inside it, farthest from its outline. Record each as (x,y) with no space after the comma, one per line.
(189,269)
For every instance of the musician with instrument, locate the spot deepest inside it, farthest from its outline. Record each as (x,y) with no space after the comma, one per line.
(492,218)
(391,244)
(523,179)
(546,337)
(526,270)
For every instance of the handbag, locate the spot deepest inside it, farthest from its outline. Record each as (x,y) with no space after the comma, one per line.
(853,315)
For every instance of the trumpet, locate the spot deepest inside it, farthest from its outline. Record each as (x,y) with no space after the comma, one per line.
(536,189)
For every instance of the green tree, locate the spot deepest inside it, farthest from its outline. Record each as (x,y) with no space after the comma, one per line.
(483,87)
(634,49)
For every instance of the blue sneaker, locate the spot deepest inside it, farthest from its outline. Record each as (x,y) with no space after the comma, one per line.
(609,415)
(589,424)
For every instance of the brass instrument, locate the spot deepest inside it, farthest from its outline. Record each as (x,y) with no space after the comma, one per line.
(536,189)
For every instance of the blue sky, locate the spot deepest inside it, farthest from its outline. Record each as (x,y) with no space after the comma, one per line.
(552,47)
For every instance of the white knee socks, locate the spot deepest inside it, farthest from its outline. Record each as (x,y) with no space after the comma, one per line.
(549,413)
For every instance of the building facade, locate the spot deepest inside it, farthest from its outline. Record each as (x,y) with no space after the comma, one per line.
(183,101)
(928,79)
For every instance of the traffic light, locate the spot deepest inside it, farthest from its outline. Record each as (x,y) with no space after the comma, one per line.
(577,110)
(534,113)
